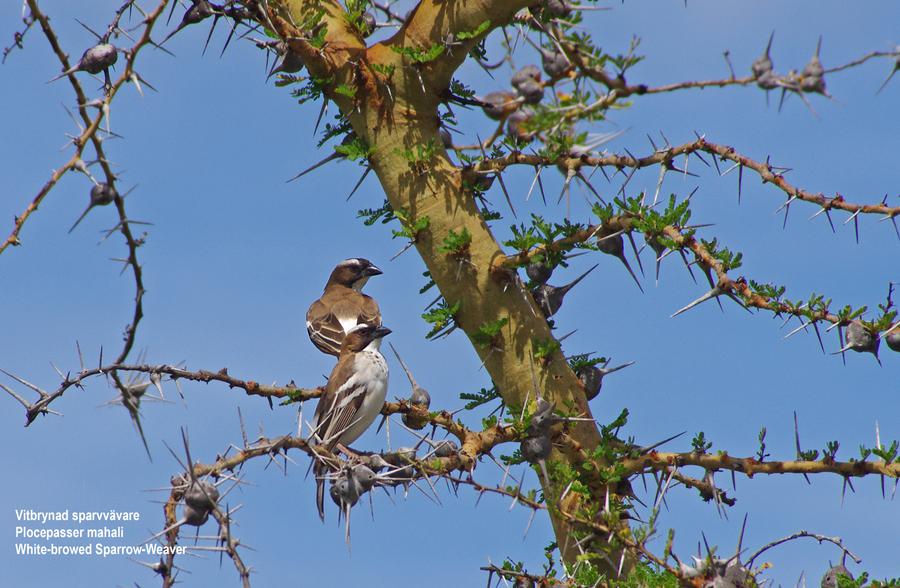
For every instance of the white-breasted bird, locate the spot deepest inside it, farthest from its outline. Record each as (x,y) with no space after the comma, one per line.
(353,397)
(342,305)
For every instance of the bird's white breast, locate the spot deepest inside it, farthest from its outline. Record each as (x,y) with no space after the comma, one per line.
(371,371)
(348,322)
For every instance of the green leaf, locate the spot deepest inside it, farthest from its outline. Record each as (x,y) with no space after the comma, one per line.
(465,36)
(419,56)
(476,399)
(441,317)
(456,243)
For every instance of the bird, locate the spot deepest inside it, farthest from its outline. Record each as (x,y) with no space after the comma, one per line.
(342,305)
(353,396)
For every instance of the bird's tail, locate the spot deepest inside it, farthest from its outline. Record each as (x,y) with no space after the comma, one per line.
(319,471)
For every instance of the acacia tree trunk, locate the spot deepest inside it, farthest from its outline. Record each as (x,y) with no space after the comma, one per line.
(392,122)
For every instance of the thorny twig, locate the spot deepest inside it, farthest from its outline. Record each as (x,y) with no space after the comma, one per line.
(90,134)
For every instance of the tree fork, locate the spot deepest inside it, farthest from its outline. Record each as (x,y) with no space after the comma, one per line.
(407,117)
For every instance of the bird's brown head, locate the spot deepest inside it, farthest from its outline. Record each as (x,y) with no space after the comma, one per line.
(360,336)
(353,273)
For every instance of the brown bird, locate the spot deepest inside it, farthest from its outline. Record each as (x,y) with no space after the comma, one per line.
(342,305)
(353,397)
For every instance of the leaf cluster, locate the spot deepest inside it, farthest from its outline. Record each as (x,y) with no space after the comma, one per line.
(441,317)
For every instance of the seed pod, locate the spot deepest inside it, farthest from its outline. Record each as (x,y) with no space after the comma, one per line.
(814,67)
(398,460)
(557,8)
(130,397)
(515,127)
(446,138)
(288,61)
(531,91)
(446,448)
(893,339)
(483,182)
(535,449)
(498,105)
(101,195)
(375,462)
(400,456)
(738,575)
(539,272)
(368,24)
(94,60)
(363,477)
(814,84)
(199,11)
(419,397)
(830,579)
(554,63)
(344,491)
(335,493)
(767,81)
(812,76)
(195,516)
(615,246)
(238,13)
(592,380)
(98,58)
(201,495)
(529,73)
(550,298)
(591,377)
(860,339)
(763,64)
(542,419)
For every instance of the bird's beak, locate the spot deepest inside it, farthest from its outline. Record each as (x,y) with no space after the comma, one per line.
(381,332)
(372,270)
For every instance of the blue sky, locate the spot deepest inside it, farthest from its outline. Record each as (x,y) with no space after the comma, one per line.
(235,256)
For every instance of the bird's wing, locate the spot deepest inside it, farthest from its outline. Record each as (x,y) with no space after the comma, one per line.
(343,397)
(325,329)
(369,311)
(330,317)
